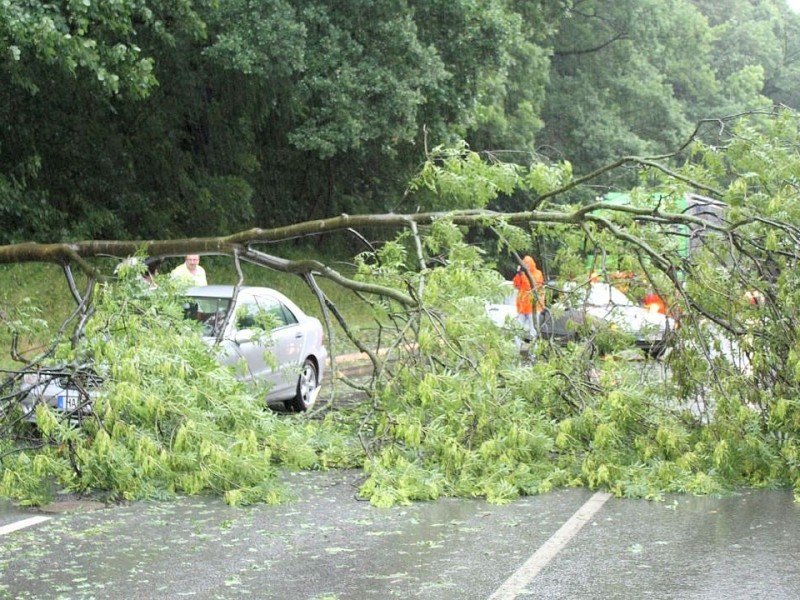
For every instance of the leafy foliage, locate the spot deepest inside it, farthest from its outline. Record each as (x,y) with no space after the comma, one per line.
(454,408)
(168,418)
(470,417)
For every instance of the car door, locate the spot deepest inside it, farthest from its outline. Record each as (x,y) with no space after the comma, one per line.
(269,339)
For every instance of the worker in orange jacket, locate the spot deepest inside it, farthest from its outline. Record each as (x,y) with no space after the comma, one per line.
(530,301)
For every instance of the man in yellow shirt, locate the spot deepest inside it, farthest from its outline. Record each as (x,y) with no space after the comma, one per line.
(191,271)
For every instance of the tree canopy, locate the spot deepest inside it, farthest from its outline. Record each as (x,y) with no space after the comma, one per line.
(156,120)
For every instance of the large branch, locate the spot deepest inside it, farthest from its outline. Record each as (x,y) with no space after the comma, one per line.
(240,245)
(77,252)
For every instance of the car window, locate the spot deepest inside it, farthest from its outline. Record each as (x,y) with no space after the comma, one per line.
(603,294)
(288,316)
(262,312)
(619,298)
(209,312)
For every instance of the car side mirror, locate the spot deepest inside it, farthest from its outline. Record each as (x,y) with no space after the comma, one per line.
(243,336)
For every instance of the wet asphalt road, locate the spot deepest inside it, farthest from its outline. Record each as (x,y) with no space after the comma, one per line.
(327,545)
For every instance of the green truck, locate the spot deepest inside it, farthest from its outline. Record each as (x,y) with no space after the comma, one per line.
(689,239)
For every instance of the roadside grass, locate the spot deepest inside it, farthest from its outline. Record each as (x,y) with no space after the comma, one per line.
(46,287)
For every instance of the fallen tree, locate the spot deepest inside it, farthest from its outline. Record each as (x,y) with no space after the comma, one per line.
(452,410)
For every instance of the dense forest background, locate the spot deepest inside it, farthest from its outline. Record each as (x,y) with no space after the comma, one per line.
(168,118)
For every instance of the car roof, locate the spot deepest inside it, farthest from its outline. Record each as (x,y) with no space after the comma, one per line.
(226,291)
(219,290)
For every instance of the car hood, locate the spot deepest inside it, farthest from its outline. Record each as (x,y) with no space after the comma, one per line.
(633,319)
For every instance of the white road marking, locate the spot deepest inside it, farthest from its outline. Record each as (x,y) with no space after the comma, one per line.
(22,524)
(539,560)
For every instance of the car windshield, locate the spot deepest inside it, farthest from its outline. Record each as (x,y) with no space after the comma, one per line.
(209,312)
(603,294)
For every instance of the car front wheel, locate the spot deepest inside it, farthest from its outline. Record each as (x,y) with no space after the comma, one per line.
(307,384)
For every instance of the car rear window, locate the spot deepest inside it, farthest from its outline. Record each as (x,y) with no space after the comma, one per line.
(279,314)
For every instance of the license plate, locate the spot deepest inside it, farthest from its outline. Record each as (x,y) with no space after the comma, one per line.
(67,402)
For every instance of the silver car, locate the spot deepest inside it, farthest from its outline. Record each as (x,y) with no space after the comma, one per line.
(596,302)
(261,333)
(266,337)
(610,305)
(505,311)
